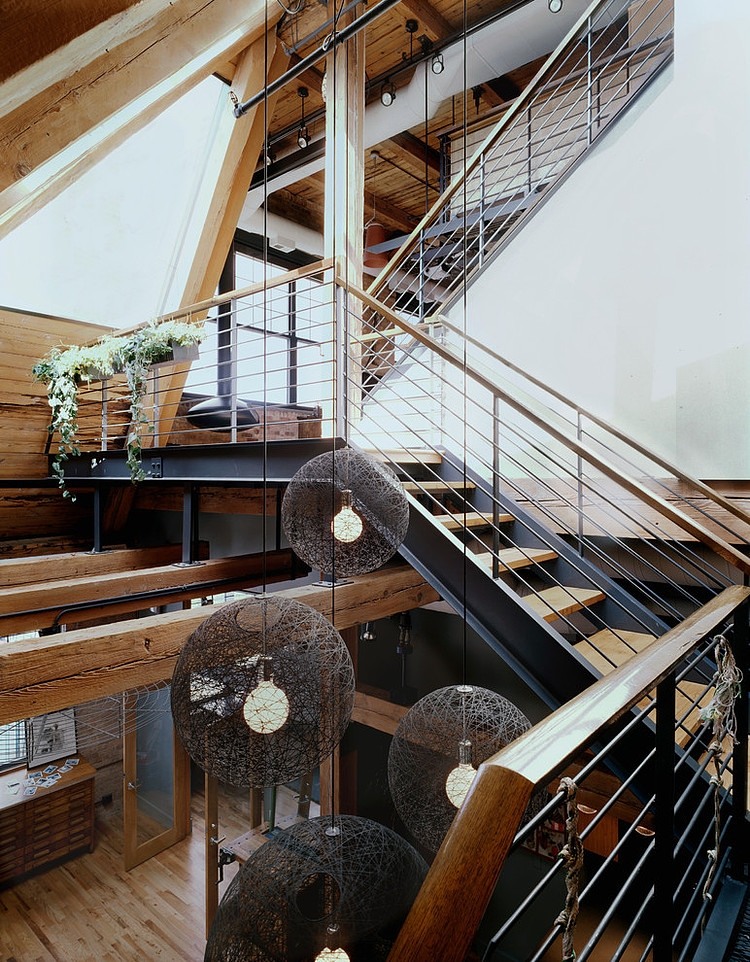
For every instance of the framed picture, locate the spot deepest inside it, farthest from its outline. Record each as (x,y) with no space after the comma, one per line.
(50,737)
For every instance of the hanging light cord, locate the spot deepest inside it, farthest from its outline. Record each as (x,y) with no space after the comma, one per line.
(465,320)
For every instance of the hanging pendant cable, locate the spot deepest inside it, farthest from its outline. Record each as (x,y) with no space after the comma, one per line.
(265,315)
(464,296)
(337,381)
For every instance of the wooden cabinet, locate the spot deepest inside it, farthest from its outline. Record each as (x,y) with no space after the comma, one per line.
(54,824)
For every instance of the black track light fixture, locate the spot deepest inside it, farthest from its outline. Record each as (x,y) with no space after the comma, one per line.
(555,6)
(387,93)
(303,134)
(438,64)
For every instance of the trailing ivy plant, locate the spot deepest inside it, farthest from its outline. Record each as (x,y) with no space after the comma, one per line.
(64,370)
(146,346)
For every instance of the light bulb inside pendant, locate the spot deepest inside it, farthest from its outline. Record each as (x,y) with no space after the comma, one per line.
(347,525)
(266,708)
(332,955)
(459,779)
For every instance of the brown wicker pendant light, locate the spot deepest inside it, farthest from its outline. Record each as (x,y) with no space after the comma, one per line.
(324,889)
(344,513)
(262,691)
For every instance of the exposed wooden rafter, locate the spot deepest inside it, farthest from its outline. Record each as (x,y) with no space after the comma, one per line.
(64,112)
(417,149)
(56,672)
(431,21)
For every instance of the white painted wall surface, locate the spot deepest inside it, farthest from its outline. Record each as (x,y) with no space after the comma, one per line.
(630,290)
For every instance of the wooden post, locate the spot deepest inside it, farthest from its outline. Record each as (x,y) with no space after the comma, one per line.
(344,204)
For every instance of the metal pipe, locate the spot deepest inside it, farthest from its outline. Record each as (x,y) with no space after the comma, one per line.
(335,38)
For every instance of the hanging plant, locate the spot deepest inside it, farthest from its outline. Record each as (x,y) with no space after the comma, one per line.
(64,370)
(149,345)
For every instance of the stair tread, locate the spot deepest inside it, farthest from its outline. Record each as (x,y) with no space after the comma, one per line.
(438,485)
(473,519)
(553,602)
(511,558)
(407,455)
(608,649)
(690,696)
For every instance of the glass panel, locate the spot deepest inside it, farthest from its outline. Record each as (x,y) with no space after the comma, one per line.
(154,766)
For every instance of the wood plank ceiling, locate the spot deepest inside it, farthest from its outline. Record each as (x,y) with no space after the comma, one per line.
(402,172)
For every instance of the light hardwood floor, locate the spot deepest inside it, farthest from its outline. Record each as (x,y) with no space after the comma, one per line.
(91,910)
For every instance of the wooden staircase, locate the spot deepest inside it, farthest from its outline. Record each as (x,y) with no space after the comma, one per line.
(526,589)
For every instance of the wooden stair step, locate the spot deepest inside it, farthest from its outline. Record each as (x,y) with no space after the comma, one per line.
(407,456)
(472,519)
(690,696)
(552,603)
(512,558)
(609,649)
(414,487)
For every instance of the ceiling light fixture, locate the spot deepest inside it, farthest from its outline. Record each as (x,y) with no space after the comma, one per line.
(555,6)
(438,64)
(303,134)
(387,94)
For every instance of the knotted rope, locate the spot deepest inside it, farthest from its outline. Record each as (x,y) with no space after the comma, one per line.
(721,712)
(572,855)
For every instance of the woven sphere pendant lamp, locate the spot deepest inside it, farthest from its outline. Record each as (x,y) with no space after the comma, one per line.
(344,513)
(262,691)
(324,890)
(436,750)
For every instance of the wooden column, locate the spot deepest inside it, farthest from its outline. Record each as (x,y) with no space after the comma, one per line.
(344,190)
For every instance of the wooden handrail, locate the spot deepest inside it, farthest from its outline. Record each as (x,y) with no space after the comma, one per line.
(701,486)
(258,287)
(458,887)
(717,544)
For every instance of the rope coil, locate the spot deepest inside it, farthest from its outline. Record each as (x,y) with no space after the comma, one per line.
(721,712)
(572,855)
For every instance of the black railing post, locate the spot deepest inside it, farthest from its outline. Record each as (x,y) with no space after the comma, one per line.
(740,837)
(190,532)
(98,514)
(664,880)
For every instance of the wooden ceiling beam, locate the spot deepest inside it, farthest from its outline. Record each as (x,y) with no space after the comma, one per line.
(312,77)
(30,607)
(66,111)
(417,149)
(430,20)
(59,671)
(32,29)
(81,564)
(379,206)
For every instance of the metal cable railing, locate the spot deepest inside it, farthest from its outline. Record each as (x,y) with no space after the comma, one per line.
(525,454)
(648,817)
(614,50)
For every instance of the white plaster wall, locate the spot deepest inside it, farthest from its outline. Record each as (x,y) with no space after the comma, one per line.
(629,291)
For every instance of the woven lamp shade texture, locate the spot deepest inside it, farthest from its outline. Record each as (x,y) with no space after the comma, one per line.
(424,751)
(314,497)
(302,881)
(222,663)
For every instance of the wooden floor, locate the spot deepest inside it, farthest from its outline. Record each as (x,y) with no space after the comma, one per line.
(91,910)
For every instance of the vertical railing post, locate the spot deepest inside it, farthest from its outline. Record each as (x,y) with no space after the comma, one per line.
(579,479)
(190,520)
(589,82)
(482,205)
(495,485)
(663,913)
(341,354)
(98,517)
(105,414)
(740,836)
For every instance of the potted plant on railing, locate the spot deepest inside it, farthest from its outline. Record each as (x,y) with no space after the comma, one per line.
(64,370)
(149,345)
